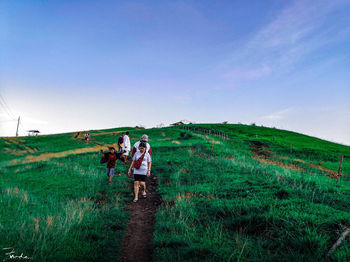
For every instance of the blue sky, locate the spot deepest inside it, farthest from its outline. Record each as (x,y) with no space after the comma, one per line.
(78,65)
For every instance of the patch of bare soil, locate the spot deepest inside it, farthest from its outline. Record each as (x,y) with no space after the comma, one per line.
(21,147)
(329,172)
(279,163)
(315,166)
(259,149)
(137,242)
(263,154)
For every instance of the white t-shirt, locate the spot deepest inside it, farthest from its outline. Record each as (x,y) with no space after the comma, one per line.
(144,166)
(137,146)
(126,143)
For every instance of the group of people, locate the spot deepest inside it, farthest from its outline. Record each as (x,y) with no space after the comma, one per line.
(141,163)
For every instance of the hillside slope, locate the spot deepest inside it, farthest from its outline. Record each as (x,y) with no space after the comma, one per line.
(261,195)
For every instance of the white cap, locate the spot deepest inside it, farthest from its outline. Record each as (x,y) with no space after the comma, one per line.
(144,138)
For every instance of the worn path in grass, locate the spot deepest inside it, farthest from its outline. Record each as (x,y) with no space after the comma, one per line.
(137,242)
(263,154)
(47,156)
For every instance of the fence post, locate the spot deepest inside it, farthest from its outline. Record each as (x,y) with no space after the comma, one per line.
(339,169)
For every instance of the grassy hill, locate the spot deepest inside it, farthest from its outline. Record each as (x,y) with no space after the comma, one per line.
(261,195)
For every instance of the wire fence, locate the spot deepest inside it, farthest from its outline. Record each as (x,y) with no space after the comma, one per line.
(205,131)
(226,137)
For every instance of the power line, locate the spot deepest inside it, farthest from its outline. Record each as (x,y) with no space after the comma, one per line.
(9,112)
(3,99)
(6,110)
(6,107)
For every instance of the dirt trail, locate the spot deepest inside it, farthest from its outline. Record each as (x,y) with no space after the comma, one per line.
(48,156)
(21,148)
(137,242)
(263,154)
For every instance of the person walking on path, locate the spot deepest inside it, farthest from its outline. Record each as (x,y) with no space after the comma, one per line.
(126,145)
(87,137)
(120,143)
(135,148)
(141,164)
(110,157)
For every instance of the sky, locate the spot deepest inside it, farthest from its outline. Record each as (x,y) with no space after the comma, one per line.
(80,65)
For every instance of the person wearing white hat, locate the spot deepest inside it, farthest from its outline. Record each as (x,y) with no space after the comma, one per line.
(135,148)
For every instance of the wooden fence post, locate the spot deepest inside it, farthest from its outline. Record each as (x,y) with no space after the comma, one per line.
(339,169)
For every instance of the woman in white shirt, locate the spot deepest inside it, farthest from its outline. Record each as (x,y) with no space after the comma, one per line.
(141,162)
(126,146)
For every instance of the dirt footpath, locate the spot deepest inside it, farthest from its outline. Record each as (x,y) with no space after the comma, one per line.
(137,242)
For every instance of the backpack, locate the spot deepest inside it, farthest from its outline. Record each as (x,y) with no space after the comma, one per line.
(104,158)
(138,162)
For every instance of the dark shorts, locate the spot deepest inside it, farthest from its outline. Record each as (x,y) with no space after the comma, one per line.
(110,171)
(141,178)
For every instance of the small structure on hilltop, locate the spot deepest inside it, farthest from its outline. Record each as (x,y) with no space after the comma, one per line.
(182,122)
(33,132)
(178,123)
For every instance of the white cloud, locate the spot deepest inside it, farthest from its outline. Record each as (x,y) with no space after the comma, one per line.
(279,115)
(297,32)
(239,74)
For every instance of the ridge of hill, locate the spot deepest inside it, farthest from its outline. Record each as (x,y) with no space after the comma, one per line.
(262,194)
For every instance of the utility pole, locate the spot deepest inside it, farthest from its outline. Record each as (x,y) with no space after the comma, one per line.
(17,125)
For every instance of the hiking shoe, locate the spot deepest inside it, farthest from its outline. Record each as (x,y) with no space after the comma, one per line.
(135,200)
(144,194)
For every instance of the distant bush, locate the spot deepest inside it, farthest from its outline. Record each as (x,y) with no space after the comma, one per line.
(185,136)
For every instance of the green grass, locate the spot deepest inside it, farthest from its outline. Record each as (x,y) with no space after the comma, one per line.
(242,210)
(219,202)
(50,210)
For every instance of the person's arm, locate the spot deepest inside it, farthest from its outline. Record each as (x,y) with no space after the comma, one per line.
(131,167)
(133,151)
(149,159)
(102,153)
(150,151)
(149,169)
